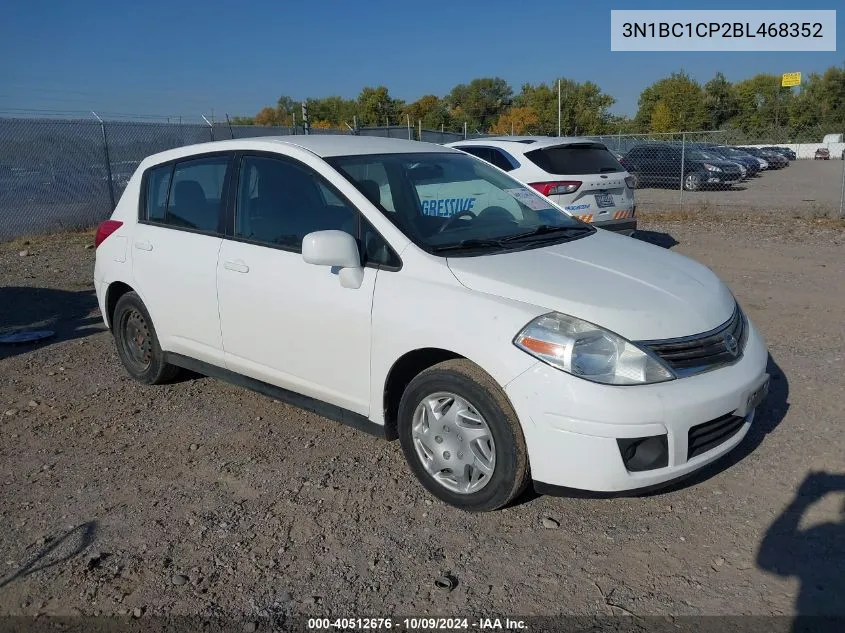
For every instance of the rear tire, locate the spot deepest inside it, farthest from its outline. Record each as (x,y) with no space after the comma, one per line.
(461,437)
(137,342)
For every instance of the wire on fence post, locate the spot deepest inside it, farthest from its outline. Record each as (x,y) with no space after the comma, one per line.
(108,159)
(210,127)
(683,161)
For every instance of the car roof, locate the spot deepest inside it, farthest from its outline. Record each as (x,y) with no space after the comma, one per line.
(522,144)
(323,145)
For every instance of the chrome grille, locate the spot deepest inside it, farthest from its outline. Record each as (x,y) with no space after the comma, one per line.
(702,352)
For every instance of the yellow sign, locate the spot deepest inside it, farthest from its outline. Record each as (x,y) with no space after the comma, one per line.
(790,79)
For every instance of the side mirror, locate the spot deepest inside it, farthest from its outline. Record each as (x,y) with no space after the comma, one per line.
(338,250)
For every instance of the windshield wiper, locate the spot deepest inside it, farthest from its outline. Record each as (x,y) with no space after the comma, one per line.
(546,229)
(468,244)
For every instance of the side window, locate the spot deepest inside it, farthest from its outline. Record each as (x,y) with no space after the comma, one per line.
(669,155)
(196,193)
(280,202)
(480,152)
(158,186)
(500,160)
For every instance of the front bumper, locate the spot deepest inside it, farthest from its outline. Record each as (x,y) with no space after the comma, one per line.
(571,425)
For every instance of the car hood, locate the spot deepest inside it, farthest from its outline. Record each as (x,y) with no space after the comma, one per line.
(725,163)
(638,290)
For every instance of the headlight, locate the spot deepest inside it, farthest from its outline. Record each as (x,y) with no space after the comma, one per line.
(588,351)
(710,167)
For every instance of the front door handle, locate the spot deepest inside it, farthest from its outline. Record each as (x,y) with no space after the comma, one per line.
(143,246)
(238,266)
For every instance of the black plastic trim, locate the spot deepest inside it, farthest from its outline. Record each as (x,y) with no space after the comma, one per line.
(330,411)
(553,490)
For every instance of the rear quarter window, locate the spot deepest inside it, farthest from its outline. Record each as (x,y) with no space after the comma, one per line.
(158,186)
(575,160)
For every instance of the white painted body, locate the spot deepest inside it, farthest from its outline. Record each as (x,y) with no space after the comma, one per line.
(580,203)
(270,315)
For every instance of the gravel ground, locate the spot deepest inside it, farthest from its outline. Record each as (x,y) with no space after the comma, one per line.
(203,498)
(805,187)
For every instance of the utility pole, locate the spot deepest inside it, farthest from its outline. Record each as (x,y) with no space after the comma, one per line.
(558,107)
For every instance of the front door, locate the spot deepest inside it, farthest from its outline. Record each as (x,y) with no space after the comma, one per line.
(286,322)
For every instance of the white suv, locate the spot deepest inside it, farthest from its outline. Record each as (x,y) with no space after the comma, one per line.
(503,342)
(581,175)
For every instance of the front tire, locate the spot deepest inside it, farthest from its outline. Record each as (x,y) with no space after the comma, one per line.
(692,182)
(461,437)
(137,342)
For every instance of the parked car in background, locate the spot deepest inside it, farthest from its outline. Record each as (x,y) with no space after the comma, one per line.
(751,163)
(583,177)
(775,160)
(503,342)
(664,164)
(783,151)
(822,153)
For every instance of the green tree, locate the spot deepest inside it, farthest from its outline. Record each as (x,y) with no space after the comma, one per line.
(480,102)
(243,120)
(661,118)
(820,102)
(682,97)
(763,106)
(431,110)
(584,107)
(720,100)
(335,110)
(377,107)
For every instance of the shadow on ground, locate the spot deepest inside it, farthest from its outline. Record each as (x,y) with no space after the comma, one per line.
(57,550)
(815,554)
(664,240)
(70,314)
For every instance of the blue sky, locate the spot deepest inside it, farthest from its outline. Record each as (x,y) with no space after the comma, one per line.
(165,57)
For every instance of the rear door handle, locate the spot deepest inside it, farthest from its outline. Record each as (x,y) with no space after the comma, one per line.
(238,266)
(143,246)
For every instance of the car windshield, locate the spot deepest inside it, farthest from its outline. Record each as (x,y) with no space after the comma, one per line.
(455,204)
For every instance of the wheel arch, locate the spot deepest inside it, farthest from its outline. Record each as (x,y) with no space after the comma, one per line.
(114,292)
(402,372)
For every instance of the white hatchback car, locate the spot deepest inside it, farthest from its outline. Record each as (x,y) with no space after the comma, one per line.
(504,343)
(582,176)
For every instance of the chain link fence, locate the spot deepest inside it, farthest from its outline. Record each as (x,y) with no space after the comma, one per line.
(58,174)
(729,170)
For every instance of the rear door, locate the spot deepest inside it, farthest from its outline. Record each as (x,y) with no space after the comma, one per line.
(174,252)
(602,193)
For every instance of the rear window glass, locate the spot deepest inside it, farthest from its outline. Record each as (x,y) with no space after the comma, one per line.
(575,160)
